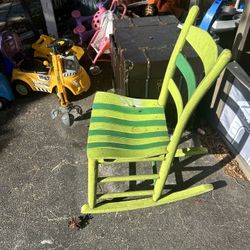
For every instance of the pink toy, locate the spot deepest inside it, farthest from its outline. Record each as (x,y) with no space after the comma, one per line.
(76,14)
(97,17)
(100,42)
(80,30)
(85,35)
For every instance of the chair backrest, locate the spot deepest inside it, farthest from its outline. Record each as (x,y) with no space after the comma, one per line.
(207,50)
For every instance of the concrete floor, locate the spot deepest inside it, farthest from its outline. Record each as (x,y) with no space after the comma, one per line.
(43,183)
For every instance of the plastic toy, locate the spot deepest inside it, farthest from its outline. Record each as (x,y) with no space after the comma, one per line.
(82,29)
(100,42)
(210,15)
(221,17)
(11,50)
(64,65)
(228,19)
(6,93)
(36,75)
(62,74)
(125,129)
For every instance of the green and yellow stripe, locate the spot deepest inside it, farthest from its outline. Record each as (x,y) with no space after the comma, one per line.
(121,127)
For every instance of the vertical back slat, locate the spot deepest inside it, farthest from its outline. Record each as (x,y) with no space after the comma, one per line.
(187,72)
(176,95)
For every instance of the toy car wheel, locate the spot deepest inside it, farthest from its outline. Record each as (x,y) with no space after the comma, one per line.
(22,88)
(67,119)
(3,103)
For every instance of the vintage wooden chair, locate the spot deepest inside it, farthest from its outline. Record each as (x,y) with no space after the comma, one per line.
(124,129)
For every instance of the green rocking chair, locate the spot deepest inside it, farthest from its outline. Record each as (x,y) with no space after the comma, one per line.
(124,129)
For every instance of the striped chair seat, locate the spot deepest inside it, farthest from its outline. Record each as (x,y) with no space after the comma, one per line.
(123,127)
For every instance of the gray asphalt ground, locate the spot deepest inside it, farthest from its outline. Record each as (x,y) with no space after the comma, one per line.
(43,183)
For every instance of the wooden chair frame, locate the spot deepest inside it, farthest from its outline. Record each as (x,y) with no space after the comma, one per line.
(124,129)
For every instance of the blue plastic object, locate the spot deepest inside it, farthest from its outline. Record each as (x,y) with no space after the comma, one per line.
(5,89)
(210,15)
(242,6)
(8,66)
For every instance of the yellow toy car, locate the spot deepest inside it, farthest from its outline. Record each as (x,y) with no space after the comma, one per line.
(38,75)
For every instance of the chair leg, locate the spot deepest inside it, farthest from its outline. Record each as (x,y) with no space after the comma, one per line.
(92,182)
(166,164)
(163,173)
